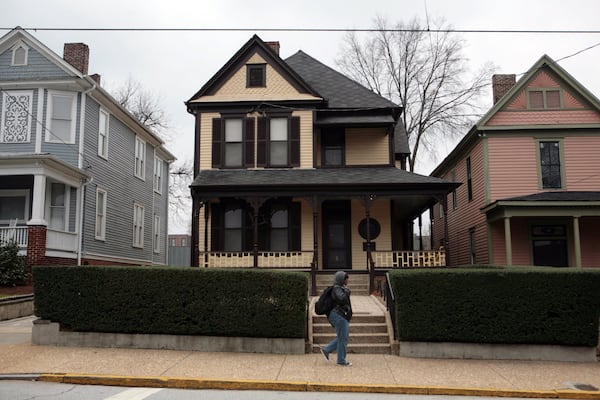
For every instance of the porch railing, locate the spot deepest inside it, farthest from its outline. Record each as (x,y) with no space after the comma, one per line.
(266,259)
(409,259)
(14,233)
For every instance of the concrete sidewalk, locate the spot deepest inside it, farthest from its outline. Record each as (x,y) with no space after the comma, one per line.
(306,372)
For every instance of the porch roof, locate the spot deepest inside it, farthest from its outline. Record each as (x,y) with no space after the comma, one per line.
(557,204)
(381,181)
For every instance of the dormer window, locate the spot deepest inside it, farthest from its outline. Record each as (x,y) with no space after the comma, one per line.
(256,75)
(19,54)
(542,99)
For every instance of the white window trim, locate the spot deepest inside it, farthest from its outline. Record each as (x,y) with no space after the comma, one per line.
(142,172)
(19,45)
(156,234)
(138,241)
(67,197)
(158,174)
(11,93)
(49,134)
(102,235)
(107,130)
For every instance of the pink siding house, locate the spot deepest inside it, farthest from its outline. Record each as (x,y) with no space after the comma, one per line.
(530,175)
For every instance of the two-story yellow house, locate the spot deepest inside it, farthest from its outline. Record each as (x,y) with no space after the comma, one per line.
(298,166)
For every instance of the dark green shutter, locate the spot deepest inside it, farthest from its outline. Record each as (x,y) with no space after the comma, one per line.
(217,227)
(249,142)
(295,142)
(261,142)
(217,142)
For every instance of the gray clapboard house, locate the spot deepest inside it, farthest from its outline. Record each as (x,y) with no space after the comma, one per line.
(81,180)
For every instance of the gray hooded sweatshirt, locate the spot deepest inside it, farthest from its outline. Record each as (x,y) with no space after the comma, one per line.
(341,296)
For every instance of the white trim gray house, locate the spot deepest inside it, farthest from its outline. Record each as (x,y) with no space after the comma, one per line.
(81,180)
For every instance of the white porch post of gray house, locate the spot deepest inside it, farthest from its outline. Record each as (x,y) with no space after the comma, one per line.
(577,242)
(508,240)
(39,200)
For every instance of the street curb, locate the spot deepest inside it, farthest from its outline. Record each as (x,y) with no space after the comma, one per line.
(227,384)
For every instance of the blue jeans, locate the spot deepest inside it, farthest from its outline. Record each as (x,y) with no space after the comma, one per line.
(342,332)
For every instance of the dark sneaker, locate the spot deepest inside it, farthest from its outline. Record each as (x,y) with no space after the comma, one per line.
(325,354)
(346,364)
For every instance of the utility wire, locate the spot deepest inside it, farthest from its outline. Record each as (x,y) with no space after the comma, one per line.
(258,29)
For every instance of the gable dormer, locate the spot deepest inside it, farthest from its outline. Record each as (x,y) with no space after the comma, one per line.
(255,73)
(545,96)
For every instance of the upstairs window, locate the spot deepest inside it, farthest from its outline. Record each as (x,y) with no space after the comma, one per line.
(278,146)
(256,75)
(332,147)
(20,54)
(103,134)
(61,127)
(233,142)
(140,158)
(550,165)
(158,172)
(540,99)
(469,180)
(100,214)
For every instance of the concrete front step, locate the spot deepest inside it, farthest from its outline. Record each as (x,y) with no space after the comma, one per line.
(356,319)
(360,349)
(354,328)
(355,338)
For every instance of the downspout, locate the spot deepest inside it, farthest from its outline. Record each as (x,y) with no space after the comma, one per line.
(85,181)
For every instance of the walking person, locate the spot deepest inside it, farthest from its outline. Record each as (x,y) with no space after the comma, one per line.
(339,318)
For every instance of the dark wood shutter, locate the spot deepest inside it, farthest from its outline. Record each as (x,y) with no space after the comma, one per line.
(217,142)
(294,224)
(249,142)
(261,142)
(295,141)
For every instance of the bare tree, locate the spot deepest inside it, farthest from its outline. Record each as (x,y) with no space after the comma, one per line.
(423,71)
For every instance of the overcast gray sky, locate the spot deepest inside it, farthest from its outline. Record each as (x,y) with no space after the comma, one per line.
(174,65)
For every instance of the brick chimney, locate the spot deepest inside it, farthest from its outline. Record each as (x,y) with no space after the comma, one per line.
(501,84)
(78,55)
(274,46)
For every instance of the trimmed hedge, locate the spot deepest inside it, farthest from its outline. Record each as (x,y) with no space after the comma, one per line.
(518,305)
(169,300)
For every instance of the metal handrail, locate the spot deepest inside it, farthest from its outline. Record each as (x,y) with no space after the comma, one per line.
(390,303)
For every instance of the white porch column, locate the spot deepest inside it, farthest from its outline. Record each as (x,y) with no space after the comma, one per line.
(576,242)
(39,201)
(508,240)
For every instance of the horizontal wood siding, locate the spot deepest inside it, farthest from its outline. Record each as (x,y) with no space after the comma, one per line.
(513,167)
(589,231)
(545,117)
(306,138)
(68,152)
(581,155)
(467,214)
(306,226)
(521,241)
(38,67)
(367,146)
(205,150)
(115,175)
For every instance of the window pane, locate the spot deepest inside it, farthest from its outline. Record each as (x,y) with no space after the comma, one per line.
(233,240)
(553,99)
(333,156)
(279,129)
(536,99)
(20,56)
(279,219)
(233,130)
(233,155)
(61,130)
(233,218)
(279,153)
(279,240)
(12,207)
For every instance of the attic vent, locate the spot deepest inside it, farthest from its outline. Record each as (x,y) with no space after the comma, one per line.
(256,75)
(19,54)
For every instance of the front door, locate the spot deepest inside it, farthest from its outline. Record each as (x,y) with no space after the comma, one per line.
(336,235)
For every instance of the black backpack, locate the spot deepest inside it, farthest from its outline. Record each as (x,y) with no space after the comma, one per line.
(325,304)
